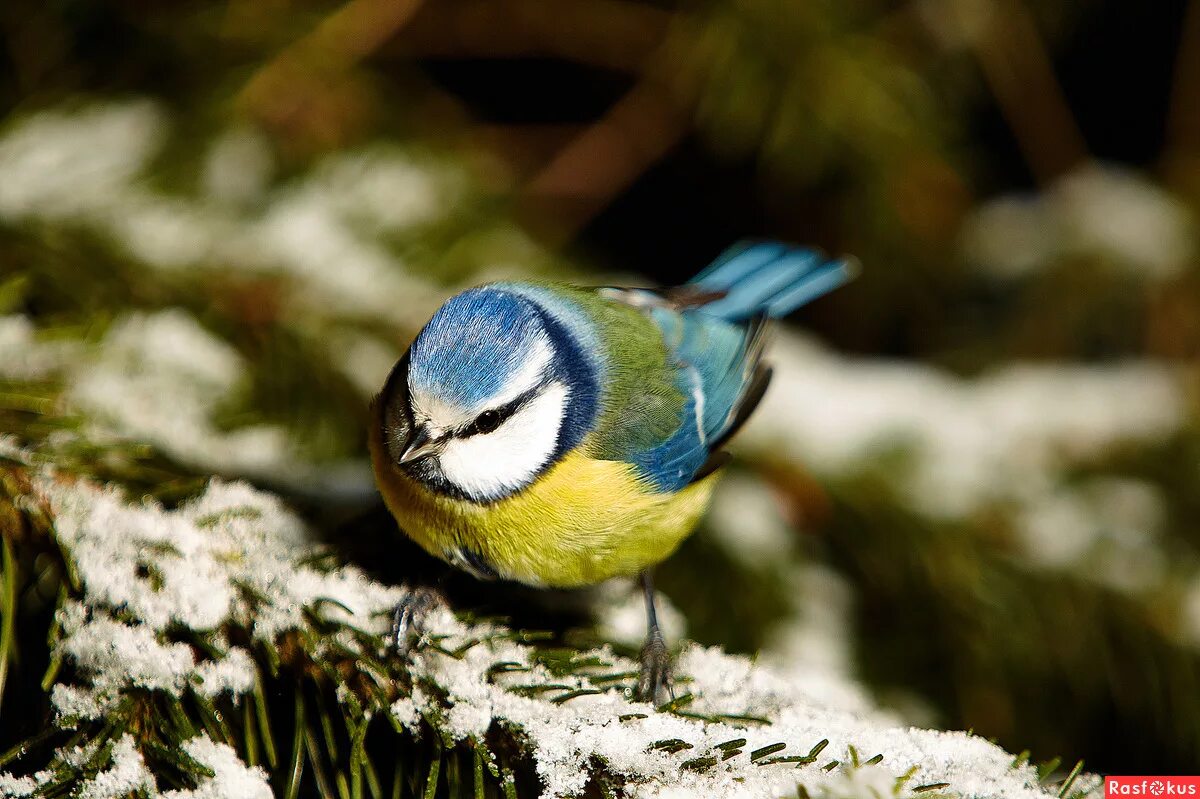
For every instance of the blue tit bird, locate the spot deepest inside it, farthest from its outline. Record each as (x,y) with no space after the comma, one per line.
(559,436)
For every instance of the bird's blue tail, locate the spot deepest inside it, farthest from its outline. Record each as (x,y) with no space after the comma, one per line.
(769,278)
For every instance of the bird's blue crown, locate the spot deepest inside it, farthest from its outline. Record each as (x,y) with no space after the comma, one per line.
(473,345)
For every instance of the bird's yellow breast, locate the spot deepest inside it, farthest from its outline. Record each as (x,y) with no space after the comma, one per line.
(581,522)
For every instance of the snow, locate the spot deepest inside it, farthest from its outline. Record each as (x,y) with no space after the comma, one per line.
(185,567)
(232,779)
(26,356)
(86,166)
(746,518)
(1108,525)
(159,378)
(1001,437)
(234,673)
(71,164)
(815,641)
(127,774)
(1190,613)
(238,167)
(234,534)
(812,641)
(117,654)
(17,786)
(364,360)
(567,736)
(384,188)
(1099,211)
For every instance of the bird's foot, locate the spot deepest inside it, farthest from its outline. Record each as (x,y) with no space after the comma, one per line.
(654,682)
(408,619)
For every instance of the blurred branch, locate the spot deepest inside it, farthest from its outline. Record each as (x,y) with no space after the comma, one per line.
(523,149)
(607,157)
(348,35)
(604,160)
(1020,74)
(610,34)
(300,85)
(594,165)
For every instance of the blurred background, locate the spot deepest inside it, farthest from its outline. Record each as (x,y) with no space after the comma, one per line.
(971,495)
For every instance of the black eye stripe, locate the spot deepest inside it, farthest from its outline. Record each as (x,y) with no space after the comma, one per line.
(492,418)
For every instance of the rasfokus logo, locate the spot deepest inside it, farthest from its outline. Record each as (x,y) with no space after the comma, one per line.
(1151,786)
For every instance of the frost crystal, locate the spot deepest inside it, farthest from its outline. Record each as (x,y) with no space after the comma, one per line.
(567,736)
(234,536)
(126,774)
(184,567)
(16,787)
(232,779)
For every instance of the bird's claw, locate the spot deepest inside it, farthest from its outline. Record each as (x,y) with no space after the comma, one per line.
(408,618)
(654,682)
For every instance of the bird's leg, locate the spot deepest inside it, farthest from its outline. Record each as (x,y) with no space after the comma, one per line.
(408,618)
(655,677)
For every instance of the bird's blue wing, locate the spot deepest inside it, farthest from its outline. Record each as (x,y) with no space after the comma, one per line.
(716,363)
(713,329)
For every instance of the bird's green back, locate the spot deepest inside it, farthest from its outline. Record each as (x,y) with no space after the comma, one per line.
(641,404)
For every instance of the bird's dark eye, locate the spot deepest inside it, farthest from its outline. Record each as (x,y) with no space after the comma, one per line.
(487,421)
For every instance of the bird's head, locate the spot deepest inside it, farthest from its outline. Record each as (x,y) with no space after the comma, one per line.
(490,394)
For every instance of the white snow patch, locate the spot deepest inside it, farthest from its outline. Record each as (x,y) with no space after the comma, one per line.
(70,165)
(86,166)
(1099,211)
(76,702)
(234,673)
(814,644)
(239,166)
(232,779)
(1190,612)
(1002,437)
(126,774)
(384,188)
(620,610)
(566,737)
(11,448)
(365,360)
(1104,528)
(117,655)
(185,567)
(17,787)
(159,378)
(26,356)
(747,520)
(406,709)
(234,534)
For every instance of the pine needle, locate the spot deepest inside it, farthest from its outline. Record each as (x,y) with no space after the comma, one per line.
(8,609)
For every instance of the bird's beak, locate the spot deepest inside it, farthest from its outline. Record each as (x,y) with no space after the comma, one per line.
(420,445)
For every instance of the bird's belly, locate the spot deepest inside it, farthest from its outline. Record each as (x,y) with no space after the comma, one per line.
(582,522)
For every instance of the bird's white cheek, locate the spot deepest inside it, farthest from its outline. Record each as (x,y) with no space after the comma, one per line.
(495,464)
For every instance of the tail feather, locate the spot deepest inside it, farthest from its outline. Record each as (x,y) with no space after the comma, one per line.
(737,263)
(770,279)
(817,283)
